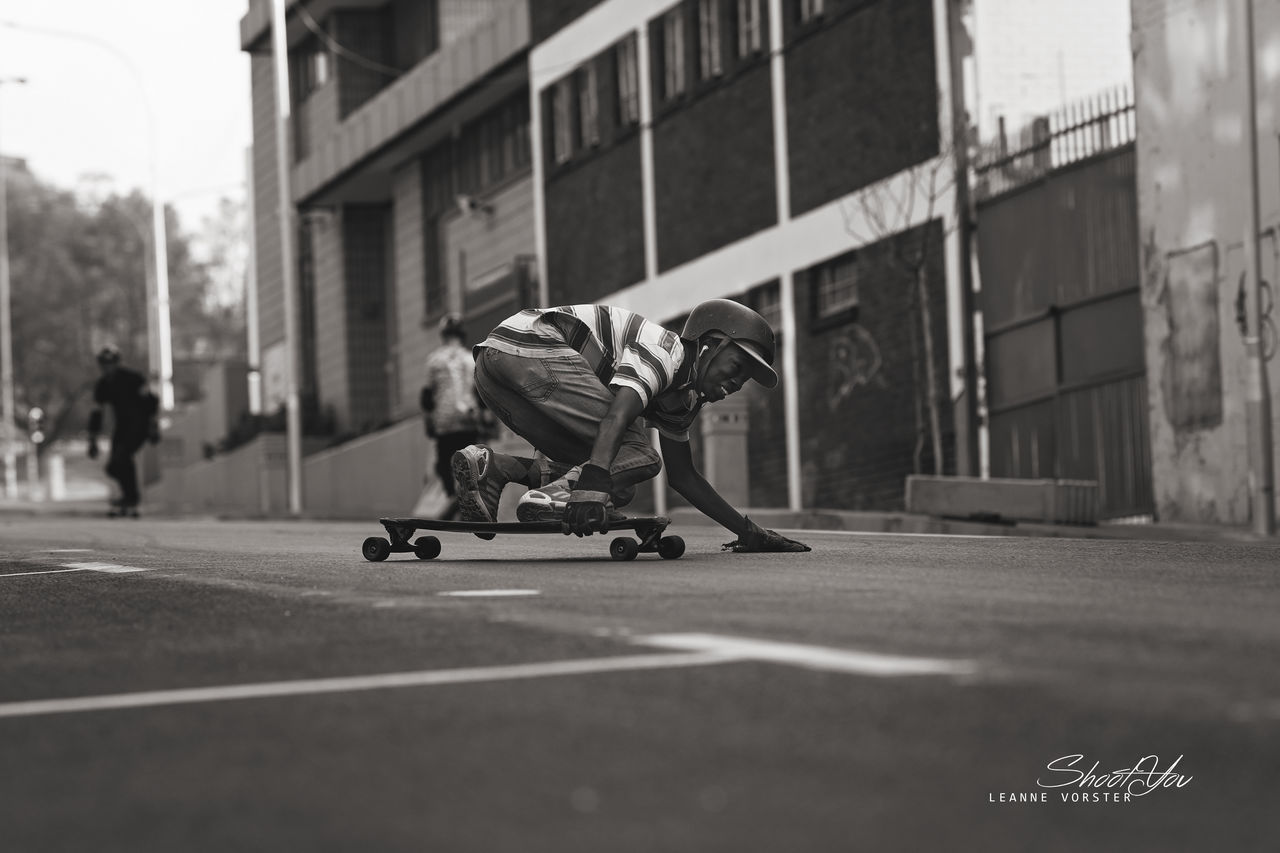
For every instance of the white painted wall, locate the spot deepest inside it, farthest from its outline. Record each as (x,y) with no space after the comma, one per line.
(1193,190)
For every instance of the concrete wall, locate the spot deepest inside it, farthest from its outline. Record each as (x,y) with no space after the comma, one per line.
(1192,208)
(378,474)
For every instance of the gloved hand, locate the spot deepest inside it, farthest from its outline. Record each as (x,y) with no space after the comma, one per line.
(93,448)
(588,510)
(756,539)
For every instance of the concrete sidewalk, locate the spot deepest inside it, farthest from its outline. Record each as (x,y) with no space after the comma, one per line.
(809,519)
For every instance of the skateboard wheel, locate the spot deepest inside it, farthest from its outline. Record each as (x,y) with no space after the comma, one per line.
(376,549)
(624,548)
(670,547)
(426,547)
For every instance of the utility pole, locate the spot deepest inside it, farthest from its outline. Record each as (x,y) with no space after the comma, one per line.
(967,432)
(6,336)
(1257,391)
(293,412)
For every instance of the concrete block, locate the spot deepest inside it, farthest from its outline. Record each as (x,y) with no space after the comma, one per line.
(1049,501)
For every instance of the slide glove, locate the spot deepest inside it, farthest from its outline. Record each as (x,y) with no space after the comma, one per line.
(756,539)
(588,509)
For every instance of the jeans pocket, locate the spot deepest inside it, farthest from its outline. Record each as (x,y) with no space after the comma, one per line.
(536,379)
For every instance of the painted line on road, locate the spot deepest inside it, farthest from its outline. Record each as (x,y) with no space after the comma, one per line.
(425,678)
(809,657)
(110,568)
(814,530)
(69,550)
(488,593)
(42,572)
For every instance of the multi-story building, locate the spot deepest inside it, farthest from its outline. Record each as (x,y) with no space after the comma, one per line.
(788,153)
(476,155)
(410,172)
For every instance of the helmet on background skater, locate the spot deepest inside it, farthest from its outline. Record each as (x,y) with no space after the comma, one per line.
(108,355)
(726,319)
(451,326)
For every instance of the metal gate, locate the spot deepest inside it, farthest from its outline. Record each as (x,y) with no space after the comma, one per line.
(1058,253)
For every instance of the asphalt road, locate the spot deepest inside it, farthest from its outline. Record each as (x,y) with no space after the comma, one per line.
(219,686)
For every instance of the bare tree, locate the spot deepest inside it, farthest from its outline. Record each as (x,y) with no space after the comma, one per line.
(886,211)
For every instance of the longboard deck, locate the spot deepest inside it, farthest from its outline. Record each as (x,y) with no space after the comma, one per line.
(636,523)
(648,530)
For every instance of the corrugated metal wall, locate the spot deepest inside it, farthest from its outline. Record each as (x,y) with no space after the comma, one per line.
(1066,378)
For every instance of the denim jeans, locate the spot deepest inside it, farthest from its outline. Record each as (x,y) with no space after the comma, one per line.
(556,404)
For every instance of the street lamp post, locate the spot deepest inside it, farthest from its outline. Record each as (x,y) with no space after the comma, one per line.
(6,334)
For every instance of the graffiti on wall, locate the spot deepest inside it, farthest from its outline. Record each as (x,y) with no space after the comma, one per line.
(853,357)
(1192,375)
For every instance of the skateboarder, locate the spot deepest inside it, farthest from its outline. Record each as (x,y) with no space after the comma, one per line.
(451,410)
(580,383)
(133,416)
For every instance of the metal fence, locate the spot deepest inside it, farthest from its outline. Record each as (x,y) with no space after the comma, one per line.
(1076,132)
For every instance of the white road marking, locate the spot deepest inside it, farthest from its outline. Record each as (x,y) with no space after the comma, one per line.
(69,550)
(485,593)
(42,572)
(110,568)
(425,678)
(809,657)
(814,530)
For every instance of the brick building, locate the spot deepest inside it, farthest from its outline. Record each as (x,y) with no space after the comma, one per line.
(412,182)
(780,152)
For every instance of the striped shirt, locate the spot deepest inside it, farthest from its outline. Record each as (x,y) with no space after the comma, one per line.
(621,347)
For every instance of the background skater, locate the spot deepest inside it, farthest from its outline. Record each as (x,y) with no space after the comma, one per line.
(134,410)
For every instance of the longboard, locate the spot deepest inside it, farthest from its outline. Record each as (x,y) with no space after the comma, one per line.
(399,540)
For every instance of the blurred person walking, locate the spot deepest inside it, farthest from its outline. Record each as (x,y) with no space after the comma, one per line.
(453,415)
(134,410)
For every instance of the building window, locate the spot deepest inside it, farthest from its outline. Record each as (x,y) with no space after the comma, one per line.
(628,76)
(810,9)
(588,106)
(836,286)
(673,53)
(748,27)
(709,39)
(561,126)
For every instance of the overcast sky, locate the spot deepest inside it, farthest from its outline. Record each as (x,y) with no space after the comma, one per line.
(83,110)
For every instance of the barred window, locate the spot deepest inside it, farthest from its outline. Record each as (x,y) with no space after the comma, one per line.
(673,81)
(561,126)
(628,76)
(709,39)
(588,105)
(748,27)
(836,285)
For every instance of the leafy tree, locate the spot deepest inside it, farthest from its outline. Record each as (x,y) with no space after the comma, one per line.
(80,267)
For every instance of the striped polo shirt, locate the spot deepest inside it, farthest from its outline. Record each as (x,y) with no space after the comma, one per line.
(621,347)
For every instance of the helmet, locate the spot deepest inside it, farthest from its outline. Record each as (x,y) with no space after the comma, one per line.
(451,326)
(735,321)
(108,355)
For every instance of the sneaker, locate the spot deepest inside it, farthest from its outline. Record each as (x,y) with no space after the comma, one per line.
(548,503)
(479,483)
(545,504)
